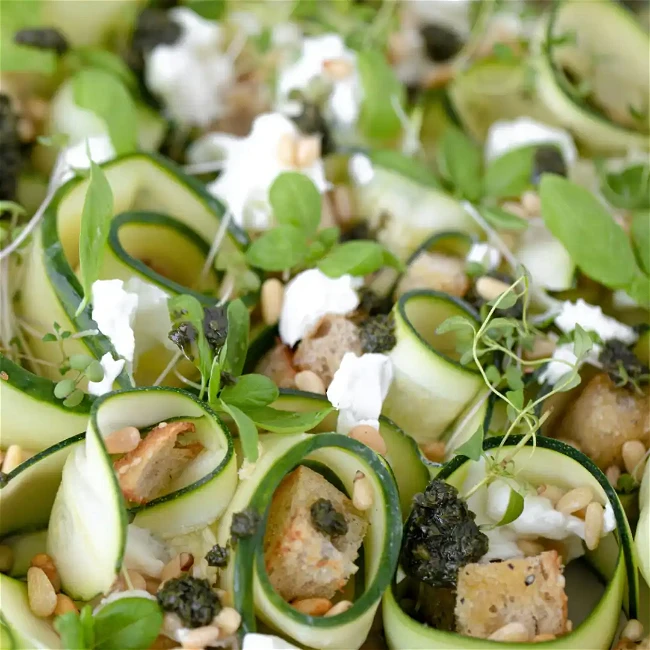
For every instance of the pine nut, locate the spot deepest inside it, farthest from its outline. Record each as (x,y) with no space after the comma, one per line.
(225,597)
(171,570)
(613,473)
(633,631)
(594,520)
(370,437)
(41,594)
(64,604)
(271,298)
(6,558)
(543,637)
(490,288)
(434,451)
(529,548)
(228,621)
(310,382)
(312,606)
(362,493)
(307,151)
(200,637)
(44,561)
(551,492)
(339,608)
(287,150)
(186,561)
(122,441)
(633,452)
(510,632)
(574,500)
(13,458)
(531,203)
(338,68)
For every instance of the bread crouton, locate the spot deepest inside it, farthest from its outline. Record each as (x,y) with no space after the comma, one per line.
(276,364)
(435,271)
(323,349)
(301,561)
(528,590)
(144,473)
(605,417)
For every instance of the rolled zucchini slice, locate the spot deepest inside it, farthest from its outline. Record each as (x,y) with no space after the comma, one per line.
(31,416)
(612,562)
(430,389)
(51,291)
(87,531)
(611,115)
(642,539)
(246,577)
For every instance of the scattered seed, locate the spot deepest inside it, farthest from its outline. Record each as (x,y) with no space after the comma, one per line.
(122,441)
(13,458)
(339,608)
(338,68)
(569,625)
(272,297)
(6,558)
(310,382)
(200,637)
(529,548)
(362,493)
(434,451)
(529,580)
(574,500)
(633,452)
(162,425)
(40,592)
(228,621)
(312,606)
(594,520)
(308,150)
(551,492)
(531,203)
(613,473)
(64,604)
(490,288)
(510,632)
(287,150)
(44,561)
(369,436)
(633,631)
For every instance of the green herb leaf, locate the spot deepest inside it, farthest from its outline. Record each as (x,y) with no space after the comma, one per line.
(88,626)
(513,376)
(278,249)
(516,397)
(127,624)
(106,96)
(215,381)
(408,167)
(296,202)
(504,301)
(237,338)
(80,361)
(95,226)
(90,57)
(641,239)
(568,381)
(49,338)
(277,421)
(582,342)
(74,399)
(251,391)
(510,175)
(378,119)
(501,219)
(454,324)
(63,388)
(472,448)
(514,509)
(359,257)
(628,189)
(248,435)
(328,237)
(493,375)
(461,163)
(71,631)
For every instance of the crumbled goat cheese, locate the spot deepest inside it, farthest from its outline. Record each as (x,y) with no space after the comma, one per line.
(145,553)
(193,75)
(504,136)
(251,164)
(486,255)
(359,388)
(76,156)
(266,642)
(112,368)
(312,295)
(344,101)
(360,169)
(591,318)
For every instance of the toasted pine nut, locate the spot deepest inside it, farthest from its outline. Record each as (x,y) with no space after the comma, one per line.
(122,441)
(574,500)
(338,68)
(287,150)
(13,458)
(434,451)
(613,473)
(228,621)
(633,631)
(531,203)
(633,452)
(362,493)
(339,608)
(172,569)
(510,632)
(186,561)
(490,288)
(6,558)
(594,520)
(370,437)
(307,150)
(552,492)
(529,548)
(200,637)
(569,625)
(44,561)
(312,606)
(41,594)
(271,298)
(543,637)
(310,382)
(64,604)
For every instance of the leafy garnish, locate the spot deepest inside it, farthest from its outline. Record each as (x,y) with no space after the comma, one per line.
(509,175)
(472,448)
(359,257)
(282,247)
(460,163)
(405,166)
(296,202)
(514,509)
(277,421)
(502,219)
(251,391)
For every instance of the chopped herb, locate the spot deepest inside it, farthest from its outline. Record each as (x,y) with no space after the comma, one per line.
(244,524)
(327,519)
(377,333)
(183,336)
(191,599)
(11,158)
(622,365)
(215,326)
(372,303)
(218,556)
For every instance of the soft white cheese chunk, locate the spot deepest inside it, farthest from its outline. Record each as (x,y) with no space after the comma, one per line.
(193,75)
(112,368)
(484,254)
(359,388)
(360,169)
(555,369)
(76,156)
(266,642)
(312,295)
(591,318)
(251,164)
(504,136)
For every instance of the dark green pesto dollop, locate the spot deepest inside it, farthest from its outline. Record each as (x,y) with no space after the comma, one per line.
(191,599)
(326,519)
(377,333)
(217,556)
(244,524)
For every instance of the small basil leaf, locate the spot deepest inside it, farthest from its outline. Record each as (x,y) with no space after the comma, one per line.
(472,448)
(108,62)
(296,202)
(513,510)
(510,175)
(582,342)
(278,249)
(502,219)
(248,435)
(277,421)
(628,189)
(71,631)
(513,377)
(461,163)
(328,236)
(453,324)
(237,337)
(641,239)
(251,391)
(127,624)
(405,166)
(516,397)
(359,257)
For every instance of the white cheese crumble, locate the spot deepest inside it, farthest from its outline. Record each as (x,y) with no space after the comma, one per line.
(504,136)
(359,388)
(591,318)
(344,101)
(266,642)
(484,254)
(251,164)
(360,169)
(312,295)
(112,368)
(76,156)
(193,75)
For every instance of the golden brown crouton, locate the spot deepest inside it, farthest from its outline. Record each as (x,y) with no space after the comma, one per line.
(276,364)
(435,271)
(145,472)
(323,349)
(527,590)
(301,561)
(603,418)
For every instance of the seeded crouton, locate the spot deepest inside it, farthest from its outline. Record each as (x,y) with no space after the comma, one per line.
(527,590)
(603,418)
(301,561)
(323,349)
(435,271)
(156,462)
(276,364)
